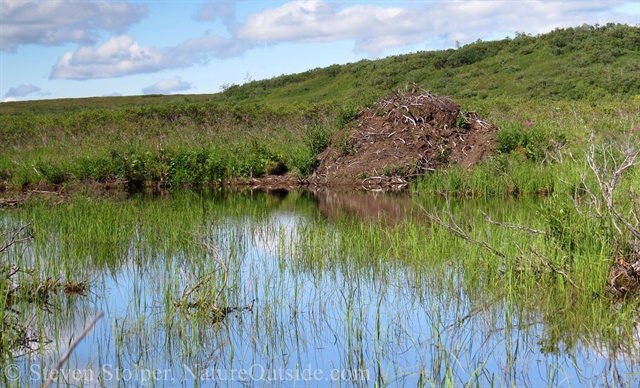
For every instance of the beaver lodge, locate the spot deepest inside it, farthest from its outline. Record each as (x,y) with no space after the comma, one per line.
(402,136)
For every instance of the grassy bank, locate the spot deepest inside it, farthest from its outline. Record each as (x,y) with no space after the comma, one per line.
(200,144)
(192,144)
(541,147)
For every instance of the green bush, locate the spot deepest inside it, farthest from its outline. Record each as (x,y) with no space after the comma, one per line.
(51,171)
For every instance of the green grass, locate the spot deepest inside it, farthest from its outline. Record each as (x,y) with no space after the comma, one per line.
(559,81)
(367,280)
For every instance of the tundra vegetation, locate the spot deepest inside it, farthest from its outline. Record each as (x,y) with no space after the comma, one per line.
(522,270)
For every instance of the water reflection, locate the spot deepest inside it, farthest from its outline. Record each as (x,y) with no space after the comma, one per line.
(325,313)
(363,204)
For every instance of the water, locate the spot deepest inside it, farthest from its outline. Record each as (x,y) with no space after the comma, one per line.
(332,314)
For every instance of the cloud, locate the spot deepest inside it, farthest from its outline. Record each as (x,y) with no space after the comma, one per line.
(376,28)
(201,50)
(167,86)
(116,57)
(372,28)
(21,91)
(56,22)
(225,11)
(122,55)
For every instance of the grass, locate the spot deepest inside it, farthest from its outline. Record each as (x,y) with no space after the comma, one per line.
(387,291)
(284,122)
(194,154)
(142,148)
(543,158)
(406,300)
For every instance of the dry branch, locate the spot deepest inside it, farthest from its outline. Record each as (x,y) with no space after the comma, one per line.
(547,263)
(456,229)
(66,355)
(512,226)
(15,236)
(608,163)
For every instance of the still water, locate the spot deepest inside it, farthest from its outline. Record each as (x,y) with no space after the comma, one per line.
(321,289)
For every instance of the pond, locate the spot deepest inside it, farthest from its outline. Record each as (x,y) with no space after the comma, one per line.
(318,289)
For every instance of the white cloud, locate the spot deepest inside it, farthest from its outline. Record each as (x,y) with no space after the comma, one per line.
(56,22)
(122,55)
(372,28)
(9,99)
(21,91)
(116,57)
(375,28)
(167,86)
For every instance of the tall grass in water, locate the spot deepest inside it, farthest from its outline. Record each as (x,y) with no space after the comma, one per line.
(561,296)
(406,301)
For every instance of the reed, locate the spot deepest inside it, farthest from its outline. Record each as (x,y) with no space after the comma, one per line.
(406,301)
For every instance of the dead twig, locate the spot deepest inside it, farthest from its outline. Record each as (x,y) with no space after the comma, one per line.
(512,226)
(54,372)
(608,163)
(456,229)
(15,236)
(547,263)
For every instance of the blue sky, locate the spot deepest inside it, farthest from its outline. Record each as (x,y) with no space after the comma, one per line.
(76,48)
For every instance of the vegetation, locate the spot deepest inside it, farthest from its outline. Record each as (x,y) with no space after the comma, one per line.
(283,122)
(534,251)
(406,301)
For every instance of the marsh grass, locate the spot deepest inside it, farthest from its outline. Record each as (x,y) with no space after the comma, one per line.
(174,145)
(209,143)
(543,158)
(405,301)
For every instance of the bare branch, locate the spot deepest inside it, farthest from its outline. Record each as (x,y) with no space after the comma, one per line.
(213,251)
(607,170)
(547,263)
(453,227)
(21,234)
(512,226)
(66,355)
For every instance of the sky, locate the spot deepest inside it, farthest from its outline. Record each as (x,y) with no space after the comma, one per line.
(78,48)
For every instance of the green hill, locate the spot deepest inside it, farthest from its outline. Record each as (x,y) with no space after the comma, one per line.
(586,62)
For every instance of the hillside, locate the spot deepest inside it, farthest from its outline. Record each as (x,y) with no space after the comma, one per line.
(587,62)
